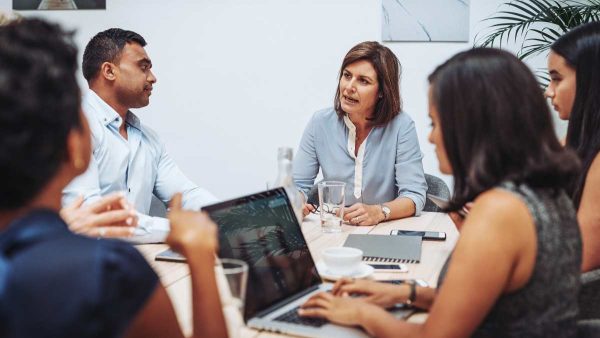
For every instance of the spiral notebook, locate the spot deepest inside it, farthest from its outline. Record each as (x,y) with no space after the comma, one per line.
(387,248)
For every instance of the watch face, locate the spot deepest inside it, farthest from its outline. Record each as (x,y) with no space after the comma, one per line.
(386,210)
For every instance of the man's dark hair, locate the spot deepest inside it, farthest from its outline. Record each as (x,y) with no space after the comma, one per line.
(106,46)
(496,125)
(40,103)
(388,71)
(580,48)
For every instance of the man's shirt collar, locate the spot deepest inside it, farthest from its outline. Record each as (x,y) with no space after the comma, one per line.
(109,116)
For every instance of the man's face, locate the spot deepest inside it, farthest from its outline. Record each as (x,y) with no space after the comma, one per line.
(134,78)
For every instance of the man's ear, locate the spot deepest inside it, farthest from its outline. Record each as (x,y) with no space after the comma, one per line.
(108,70)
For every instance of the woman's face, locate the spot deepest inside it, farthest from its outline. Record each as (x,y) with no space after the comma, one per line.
(561,90)
(435,137)
(359,88)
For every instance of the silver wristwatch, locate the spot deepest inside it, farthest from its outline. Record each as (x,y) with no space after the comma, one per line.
(386,211)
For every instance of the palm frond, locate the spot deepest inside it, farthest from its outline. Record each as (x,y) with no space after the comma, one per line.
(516,20)
(542,77)
(536,23)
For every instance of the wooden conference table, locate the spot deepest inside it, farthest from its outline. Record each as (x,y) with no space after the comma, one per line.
(176,277)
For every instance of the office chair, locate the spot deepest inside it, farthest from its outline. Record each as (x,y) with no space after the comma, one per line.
(157,208)
(435,186)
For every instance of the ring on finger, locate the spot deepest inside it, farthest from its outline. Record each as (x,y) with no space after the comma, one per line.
(101,232)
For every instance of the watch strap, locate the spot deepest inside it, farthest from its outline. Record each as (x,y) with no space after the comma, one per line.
(412,294)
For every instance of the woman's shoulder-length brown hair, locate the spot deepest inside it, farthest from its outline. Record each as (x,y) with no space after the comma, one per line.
(388,71)
(496,125)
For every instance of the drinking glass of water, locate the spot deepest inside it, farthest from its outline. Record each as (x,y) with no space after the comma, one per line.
(235,272)
(331,205)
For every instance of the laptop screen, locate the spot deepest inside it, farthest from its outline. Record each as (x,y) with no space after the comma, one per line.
(262,230)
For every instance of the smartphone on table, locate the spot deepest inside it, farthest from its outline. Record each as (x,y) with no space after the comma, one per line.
(427,235)
(389,267)
(419,282)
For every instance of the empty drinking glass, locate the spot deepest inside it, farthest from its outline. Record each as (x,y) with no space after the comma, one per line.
(233,294)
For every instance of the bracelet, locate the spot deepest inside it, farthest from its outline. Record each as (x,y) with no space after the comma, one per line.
(412,295)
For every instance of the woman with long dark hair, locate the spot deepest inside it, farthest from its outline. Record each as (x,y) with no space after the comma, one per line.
(366,141)
(574,66)
(515,269)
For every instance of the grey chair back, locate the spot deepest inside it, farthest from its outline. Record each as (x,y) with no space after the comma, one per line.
(157,208)
(588,328)
(589,295)
(435,186)
(313,194)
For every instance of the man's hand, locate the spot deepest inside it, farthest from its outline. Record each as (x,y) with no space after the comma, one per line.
(111,216)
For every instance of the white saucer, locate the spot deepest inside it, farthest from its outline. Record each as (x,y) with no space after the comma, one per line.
(363,271)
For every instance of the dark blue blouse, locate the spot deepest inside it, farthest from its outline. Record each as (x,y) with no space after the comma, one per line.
(54,283)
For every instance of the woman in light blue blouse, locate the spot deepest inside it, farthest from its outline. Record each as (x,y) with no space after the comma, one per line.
(366,141)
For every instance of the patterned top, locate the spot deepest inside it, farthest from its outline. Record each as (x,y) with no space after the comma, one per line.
(547,305)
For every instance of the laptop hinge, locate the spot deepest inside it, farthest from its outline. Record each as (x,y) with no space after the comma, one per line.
(286,301)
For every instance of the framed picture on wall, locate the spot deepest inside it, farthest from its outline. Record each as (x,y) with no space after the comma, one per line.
(431,20)
(58,4)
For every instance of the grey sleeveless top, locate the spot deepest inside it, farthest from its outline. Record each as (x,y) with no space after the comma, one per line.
(547,305)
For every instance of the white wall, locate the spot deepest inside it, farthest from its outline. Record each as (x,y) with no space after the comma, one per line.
(239,78)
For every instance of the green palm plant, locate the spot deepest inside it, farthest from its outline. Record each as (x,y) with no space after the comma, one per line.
(535,24)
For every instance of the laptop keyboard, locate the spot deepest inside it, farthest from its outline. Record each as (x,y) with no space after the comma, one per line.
(293,317)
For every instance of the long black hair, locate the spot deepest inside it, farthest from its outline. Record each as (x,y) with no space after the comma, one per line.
(496,125)
(580,48)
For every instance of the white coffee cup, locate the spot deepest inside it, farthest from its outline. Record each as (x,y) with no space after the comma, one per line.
(342,261)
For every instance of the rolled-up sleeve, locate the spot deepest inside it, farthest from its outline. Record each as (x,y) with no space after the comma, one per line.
(306,163)
(410,178)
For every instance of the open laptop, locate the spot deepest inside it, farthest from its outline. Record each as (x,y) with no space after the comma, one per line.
(262,230)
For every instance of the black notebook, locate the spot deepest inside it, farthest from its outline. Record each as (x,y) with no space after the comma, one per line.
(387,248)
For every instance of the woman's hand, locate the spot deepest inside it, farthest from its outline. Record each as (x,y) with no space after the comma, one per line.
(341,310)
(458,217)
(111,216)
(381,294)
(307,209)
(191,231)
(363,214)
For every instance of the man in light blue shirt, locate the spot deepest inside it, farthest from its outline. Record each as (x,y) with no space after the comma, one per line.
(127,156)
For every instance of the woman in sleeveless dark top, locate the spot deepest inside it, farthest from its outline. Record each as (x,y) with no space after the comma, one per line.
(574,89)
(515,269)
(54,283)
